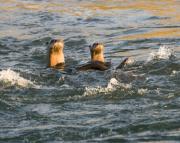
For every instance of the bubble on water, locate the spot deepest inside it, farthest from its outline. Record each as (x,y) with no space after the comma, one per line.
(10,77)
(164,52)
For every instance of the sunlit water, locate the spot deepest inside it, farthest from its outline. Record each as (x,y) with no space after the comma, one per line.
(139,103)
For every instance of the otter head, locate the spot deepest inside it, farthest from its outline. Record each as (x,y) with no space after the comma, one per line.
(97,52)
(56,54)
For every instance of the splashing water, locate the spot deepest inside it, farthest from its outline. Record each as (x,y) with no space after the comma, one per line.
(138,103)
(130,61)
(10,77)
(113,82)
(90,91)
(112,85)
(164,52)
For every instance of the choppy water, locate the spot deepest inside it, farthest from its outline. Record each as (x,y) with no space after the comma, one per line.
(140,103)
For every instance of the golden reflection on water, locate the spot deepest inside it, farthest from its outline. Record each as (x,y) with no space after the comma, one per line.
(157,33)
(169,10)
(158,8)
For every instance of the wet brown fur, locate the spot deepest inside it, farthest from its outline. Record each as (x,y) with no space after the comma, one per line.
(97,59)
(56,54)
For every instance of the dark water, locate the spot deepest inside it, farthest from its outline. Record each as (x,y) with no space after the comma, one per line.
(140,103)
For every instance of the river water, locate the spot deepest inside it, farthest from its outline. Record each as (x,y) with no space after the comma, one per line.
(139,103)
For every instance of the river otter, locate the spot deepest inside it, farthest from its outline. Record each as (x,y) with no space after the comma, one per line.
(56,54)
(97,59)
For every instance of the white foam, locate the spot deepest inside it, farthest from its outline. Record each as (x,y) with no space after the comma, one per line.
(130,61)
(89,91)
(13,78)
(164,52)
(142,91)
(66,86)
(95,90)
(175,73)
(113,85)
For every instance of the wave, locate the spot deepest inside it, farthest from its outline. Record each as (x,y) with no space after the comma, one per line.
(11,78)
(164,52)
(112,86)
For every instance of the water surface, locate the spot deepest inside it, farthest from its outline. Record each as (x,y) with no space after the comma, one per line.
(139,103)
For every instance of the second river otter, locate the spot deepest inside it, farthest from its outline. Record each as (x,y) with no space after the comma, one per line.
(97,61)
